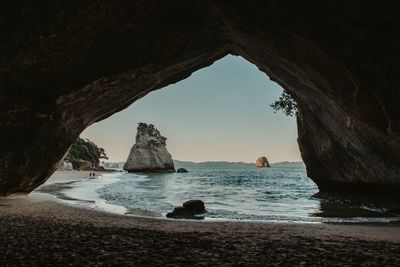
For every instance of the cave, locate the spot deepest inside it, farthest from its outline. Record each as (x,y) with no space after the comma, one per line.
(67,65)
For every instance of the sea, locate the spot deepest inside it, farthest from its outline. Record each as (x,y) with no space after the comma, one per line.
(230,191)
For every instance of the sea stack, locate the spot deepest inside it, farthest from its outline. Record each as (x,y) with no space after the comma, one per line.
(149,154)
(262,162)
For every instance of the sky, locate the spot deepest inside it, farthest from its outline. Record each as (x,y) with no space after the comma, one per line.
(219,113)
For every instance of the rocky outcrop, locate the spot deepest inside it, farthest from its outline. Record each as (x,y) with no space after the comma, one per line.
(65,166)
(196,206)
(262,162)
(65,66)
(188,210)
(149,154)
(181,170)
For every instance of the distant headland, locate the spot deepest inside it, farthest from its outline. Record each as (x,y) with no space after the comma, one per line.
(215,164)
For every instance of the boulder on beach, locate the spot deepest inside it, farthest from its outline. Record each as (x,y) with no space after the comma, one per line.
(188,210)
(181,170)
(196,206)
(149,153)
(180,212)
(262,162)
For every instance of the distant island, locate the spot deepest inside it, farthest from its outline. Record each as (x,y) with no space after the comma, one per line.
(214,164)
(228,164)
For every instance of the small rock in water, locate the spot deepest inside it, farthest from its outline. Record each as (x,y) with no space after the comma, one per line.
(188,210)
(181,170)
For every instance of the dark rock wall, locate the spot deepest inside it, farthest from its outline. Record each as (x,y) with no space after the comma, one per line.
(340,61)
(67,64)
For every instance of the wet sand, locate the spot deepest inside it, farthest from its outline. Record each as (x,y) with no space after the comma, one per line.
(63,180)
(40,231)
(69,176)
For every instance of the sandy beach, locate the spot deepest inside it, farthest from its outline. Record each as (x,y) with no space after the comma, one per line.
(39,230)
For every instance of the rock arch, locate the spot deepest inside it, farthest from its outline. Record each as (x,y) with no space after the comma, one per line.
(66,65)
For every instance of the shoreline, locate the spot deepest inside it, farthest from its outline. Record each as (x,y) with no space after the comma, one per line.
(32,225)
(40,205)
(37,230)
(76,188)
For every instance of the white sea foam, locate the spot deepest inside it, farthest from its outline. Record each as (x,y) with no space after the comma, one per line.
(83,193)
(273,195)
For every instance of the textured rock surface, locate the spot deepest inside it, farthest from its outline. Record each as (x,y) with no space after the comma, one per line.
(65,65)
(188,210)
(262,162)
(181,212)
(65,166)
(195,205)
(181,170)
(149,154)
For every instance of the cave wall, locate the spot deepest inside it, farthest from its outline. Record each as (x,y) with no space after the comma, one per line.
(339,62)
(65,65)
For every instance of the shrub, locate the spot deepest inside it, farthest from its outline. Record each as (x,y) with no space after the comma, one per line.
(286,103)
(85,150)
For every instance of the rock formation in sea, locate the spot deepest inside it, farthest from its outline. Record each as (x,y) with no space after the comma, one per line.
(262,162)
(149,153)
(87,60)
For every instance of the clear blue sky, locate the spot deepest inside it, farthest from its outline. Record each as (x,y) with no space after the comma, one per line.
(218,113)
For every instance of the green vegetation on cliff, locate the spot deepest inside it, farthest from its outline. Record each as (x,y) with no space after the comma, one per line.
(83,151)
(285,103)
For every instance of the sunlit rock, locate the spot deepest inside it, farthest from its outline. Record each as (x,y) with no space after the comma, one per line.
(65,166)
(262,162)
(149,154)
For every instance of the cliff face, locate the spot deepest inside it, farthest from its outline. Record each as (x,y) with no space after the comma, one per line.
(149,154)
(65,65)
(65,166)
